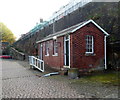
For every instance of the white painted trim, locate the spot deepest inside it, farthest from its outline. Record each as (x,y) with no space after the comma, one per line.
(93,23)
(47,55)
(50,38)
(69,51)
(89,53)
(35,63)
(99,27)
(56,54)
(65,50)
(105,52)
(92,45)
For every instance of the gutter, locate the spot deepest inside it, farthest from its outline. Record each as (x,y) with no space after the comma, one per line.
(105,52)
(51,37)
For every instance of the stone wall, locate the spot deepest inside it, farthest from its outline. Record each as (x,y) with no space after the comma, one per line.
(16,54)
(79,57)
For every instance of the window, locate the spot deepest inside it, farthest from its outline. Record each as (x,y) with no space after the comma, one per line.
(55,48)
(89,44)
(46,48)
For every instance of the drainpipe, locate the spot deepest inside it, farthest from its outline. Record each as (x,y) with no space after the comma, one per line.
(105,52)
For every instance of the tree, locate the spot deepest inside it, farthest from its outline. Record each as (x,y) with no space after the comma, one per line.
(6,34)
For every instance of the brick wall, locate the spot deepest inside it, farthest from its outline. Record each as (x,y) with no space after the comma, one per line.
(78,57)
(54,61)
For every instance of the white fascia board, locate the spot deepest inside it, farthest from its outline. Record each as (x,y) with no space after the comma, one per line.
(94,24)
(80,26)
(51,37)
(100,28)
(43,40)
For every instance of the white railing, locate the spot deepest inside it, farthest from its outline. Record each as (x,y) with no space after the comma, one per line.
(37,63)
(65,10)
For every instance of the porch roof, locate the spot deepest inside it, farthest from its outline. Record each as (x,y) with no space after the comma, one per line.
(71,30)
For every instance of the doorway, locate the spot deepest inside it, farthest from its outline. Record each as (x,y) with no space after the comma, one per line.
(67,51)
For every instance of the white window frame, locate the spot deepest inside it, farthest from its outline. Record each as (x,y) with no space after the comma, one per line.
(46,48)
(89,45)
(55,48)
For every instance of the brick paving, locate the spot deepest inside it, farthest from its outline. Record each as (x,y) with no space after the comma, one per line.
(19,81)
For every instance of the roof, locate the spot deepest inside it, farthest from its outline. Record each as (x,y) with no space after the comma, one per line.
(38,26)
(72,29)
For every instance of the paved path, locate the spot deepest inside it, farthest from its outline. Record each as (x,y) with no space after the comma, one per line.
(21,82)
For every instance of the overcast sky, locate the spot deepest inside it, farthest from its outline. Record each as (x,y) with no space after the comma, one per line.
(20,16)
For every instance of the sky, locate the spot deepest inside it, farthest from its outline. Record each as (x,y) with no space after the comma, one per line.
(20,16)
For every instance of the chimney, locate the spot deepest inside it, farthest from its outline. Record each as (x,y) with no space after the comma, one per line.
(41,20)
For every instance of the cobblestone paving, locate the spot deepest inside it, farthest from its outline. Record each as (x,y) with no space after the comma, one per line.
(19,81)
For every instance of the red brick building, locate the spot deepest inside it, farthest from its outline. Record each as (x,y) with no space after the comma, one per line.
(80,46)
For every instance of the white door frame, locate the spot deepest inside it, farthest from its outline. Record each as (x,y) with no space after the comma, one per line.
(65,51)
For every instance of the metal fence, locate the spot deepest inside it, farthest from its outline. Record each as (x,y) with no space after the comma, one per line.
(37,63)
(67,9)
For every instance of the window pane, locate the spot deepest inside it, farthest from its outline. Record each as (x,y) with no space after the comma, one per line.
(89,43)
(90,50)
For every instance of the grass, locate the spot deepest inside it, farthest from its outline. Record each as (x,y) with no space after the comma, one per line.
(111,78)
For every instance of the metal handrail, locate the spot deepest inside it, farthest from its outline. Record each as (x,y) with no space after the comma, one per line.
(37,63)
